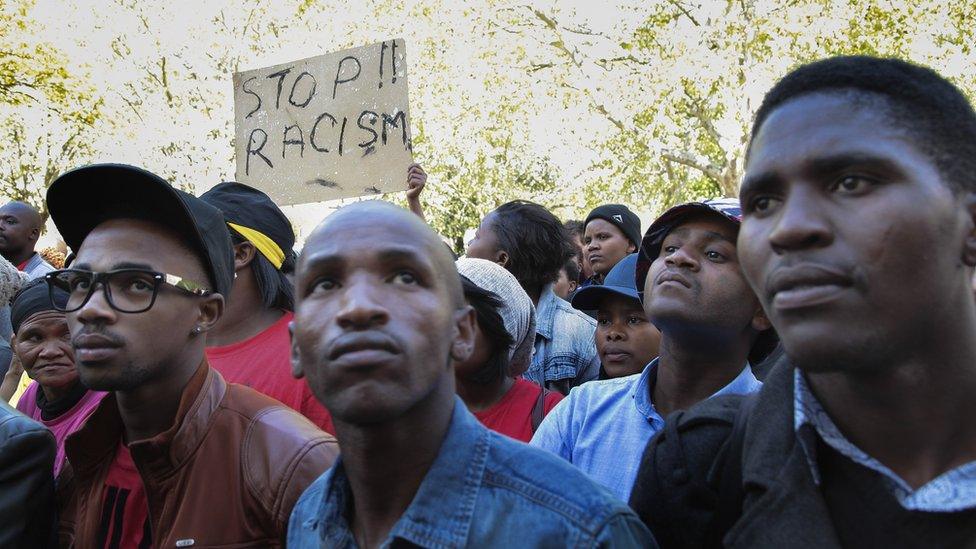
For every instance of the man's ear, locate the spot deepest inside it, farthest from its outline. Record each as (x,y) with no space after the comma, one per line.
(463,344)
(502,258)
(760,322)
(243,255)
(209,313)
(296,355)
(631,248)
(969,244)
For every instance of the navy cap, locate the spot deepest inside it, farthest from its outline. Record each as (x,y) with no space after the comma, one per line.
(83,198)
(619,281)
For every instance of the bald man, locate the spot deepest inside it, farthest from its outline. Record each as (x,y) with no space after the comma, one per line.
(379,318)
(20,227)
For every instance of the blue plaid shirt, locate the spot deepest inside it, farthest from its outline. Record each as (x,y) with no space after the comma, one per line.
(951,491)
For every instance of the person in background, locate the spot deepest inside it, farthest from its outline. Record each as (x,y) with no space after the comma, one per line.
(489,381)
(380,321)
(251,344)
(173,450)
(56,397)
(709,320)
(20,227)
(28,511)
(567,283)
(11,281)
(575,229)
(532,244)
(859,237)
(610,233)
(625,339)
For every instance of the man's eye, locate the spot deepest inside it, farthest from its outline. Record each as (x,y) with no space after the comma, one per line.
(138,285)
(851,184)
(762,204)
(324,284)
(634,319)
(78,283)
(670,249)
(714,256)
(405,277)
(603,321)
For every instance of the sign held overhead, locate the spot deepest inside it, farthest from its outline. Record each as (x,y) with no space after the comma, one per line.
(326,127)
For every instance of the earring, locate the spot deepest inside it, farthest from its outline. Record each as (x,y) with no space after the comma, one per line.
(197,330)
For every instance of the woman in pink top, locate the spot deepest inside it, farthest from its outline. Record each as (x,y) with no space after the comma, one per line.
(42,343)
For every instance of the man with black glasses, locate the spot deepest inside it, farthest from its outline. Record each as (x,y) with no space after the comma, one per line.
(173,450)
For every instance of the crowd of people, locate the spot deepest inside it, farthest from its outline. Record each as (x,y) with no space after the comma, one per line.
(792,368)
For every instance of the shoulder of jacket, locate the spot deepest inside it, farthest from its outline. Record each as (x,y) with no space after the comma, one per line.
(13,423)
(573,316)
(282,453)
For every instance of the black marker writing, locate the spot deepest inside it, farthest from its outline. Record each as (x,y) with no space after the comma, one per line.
(251,150)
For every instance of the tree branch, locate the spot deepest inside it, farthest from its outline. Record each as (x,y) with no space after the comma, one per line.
(685,11)
(709,169)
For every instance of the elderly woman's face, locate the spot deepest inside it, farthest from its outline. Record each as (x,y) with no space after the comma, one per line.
(43,345)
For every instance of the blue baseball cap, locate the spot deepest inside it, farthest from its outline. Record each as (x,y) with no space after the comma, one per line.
(619,281)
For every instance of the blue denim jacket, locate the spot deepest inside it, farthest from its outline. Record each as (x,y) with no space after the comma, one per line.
(565,349)
(483,490)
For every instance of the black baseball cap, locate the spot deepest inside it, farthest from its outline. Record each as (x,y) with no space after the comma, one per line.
(83,198)
(252,214)
(621,217)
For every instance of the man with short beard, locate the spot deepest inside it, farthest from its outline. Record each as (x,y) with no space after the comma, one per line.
(174,456)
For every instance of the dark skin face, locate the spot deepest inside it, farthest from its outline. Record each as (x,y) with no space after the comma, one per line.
(43,345)
(850,236)
(20,226)
(117,351)
(485,245)
(480,354)
(625,340)
(379,314)
(564,286)
(696,283)
(604,245)
(245,315)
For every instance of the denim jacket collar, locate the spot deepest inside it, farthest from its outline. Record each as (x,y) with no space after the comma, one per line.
(545,312)
(443,508)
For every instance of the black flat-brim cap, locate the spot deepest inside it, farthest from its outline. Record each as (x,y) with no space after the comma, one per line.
(83,198)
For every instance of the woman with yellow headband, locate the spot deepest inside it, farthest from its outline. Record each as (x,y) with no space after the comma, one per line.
(251,345)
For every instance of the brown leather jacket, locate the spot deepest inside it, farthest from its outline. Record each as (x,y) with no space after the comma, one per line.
(227,474)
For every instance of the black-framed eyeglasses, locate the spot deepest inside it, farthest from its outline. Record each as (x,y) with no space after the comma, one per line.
(126,290)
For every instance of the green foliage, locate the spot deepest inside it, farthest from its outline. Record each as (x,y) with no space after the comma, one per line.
(649,105)
(47,112)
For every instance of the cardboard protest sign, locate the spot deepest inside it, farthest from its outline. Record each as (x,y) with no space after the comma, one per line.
(326,127)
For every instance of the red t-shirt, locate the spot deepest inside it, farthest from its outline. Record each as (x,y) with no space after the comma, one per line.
(263,363)
(512,415)
(125,513)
